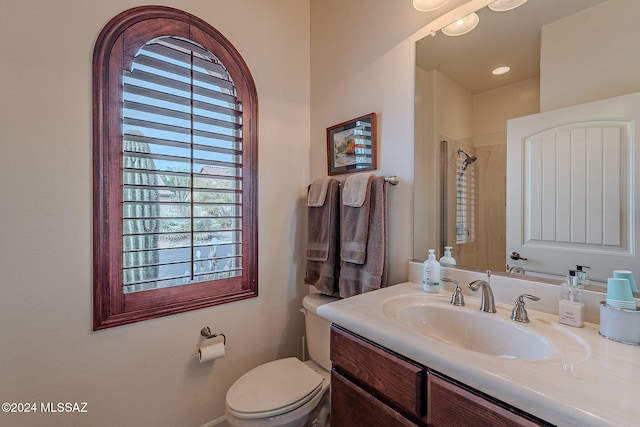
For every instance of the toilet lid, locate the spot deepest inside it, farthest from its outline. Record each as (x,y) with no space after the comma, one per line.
(273,388)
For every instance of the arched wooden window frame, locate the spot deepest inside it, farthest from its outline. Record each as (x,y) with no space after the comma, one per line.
(114,51)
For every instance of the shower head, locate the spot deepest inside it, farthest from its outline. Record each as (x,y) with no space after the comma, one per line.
(467,155)
(468,159)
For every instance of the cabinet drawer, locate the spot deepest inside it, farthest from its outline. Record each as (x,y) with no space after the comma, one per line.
(399,381)
(351,406)
(452,405)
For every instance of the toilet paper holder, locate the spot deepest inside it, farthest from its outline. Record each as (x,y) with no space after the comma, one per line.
(207,334)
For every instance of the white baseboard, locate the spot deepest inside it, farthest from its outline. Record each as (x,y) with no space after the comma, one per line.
(218,422)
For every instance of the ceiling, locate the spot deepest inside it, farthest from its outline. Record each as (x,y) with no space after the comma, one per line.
(501,38)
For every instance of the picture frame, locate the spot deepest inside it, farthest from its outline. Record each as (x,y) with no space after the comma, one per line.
(352,146)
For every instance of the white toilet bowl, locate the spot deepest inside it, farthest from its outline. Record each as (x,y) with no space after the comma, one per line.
(287,392)
(282,393)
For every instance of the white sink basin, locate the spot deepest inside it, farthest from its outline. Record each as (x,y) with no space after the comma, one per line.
(468,328)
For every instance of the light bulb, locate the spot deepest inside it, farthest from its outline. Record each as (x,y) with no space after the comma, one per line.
(462,25)
(428,5)
(504,5)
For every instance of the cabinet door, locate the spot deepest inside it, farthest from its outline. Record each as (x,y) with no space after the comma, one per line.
(396,379)
(352,406)
(448,404)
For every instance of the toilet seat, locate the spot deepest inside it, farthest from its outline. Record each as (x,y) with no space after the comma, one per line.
(273,388)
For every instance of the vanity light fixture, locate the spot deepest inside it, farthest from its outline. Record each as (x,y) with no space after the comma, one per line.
(458,21)
(428,5)
(500,71)
(504,5)
(462,25)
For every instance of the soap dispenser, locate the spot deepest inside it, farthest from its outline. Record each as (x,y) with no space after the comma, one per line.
(431,274)
(447,259)
(571,306)
(582,275)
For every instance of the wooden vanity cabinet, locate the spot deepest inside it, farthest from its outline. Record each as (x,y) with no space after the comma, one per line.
(353,406)
(452,404)
(376,384)
(373,386)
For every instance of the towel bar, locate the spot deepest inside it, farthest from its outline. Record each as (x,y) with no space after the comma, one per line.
(393,180)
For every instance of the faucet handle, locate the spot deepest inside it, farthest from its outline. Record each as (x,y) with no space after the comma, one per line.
(519,313)
(456,298)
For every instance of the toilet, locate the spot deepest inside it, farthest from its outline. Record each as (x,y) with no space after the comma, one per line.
(287,392)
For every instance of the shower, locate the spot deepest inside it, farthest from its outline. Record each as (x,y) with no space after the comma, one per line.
(467,161)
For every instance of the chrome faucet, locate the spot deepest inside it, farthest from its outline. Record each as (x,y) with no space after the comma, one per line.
(487,302)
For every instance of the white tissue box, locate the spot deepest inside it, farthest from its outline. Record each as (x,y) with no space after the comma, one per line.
(619,324)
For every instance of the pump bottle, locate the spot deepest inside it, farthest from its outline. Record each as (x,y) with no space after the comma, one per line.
(447,259)
(571,306)
(582,275)
(431,273)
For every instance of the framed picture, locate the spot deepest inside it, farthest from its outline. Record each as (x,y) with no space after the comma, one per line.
(351,146)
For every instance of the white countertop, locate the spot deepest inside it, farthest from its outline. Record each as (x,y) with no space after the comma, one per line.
(594,384)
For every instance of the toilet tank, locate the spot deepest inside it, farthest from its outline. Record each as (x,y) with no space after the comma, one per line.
(318,329)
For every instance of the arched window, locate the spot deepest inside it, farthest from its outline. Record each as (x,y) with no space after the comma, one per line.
(175,168)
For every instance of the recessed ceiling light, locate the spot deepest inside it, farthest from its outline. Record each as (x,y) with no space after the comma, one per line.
(504,5)
(462,25)
(500,70)
(428,5)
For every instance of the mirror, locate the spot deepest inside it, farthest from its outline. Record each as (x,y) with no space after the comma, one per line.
(462,109)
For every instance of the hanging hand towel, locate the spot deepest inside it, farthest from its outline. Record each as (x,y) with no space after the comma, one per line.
(355,218)
(370,275)
(318,192)
(322,266)
(355,189)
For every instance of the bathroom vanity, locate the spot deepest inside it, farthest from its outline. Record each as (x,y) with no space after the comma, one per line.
(372,385)
(402,357)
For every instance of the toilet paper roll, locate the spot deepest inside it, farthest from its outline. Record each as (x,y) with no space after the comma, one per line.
(211,352)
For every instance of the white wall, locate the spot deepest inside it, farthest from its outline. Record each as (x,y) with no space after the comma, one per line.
(492,109)
(453,109)
(147,373)
(591,55)
(362,61)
